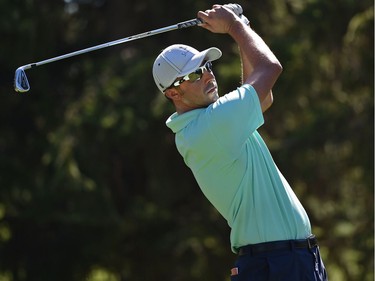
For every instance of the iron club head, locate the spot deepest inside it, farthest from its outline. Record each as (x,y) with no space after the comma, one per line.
(21,84)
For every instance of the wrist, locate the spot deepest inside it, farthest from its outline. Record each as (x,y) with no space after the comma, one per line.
(236,27)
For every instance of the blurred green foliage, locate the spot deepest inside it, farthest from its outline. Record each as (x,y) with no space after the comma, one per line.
(91,185)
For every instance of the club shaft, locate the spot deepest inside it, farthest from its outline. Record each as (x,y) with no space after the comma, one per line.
(180,25)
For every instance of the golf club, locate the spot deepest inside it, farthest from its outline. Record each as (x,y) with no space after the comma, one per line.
(21,84)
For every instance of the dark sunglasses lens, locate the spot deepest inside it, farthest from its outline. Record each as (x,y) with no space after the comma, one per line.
(195,76)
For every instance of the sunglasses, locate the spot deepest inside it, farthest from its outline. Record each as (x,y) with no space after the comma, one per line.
(195,75)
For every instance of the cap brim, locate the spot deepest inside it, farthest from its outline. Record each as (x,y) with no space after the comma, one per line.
(209,54)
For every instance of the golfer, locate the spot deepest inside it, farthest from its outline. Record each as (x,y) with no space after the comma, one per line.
(219,141)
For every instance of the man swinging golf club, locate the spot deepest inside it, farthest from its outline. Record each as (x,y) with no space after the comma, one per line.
(218,139)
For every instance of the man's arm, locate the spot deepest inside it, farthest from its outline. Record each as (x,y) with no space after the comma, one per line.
(247,69)
(260,66)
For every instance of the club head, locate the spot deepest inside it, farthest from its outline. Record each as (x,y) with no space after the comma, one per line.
(21,84)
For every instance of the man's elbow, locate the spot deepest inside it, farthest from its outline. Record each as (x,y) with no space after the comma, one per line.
(277,68)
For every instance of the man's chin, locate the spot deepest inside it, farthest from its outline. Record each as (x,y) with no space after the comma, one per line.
(214,95)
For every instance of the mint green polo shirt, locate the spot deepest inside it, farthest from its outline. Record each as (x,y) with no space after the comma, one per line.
(235,170)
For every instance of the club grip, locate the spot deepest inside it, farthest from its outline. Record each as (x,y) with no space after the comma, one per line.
(189,23)
(236,8)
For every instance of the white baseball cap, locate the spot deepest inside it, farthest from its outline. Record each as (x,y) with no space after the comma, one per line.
(179,60)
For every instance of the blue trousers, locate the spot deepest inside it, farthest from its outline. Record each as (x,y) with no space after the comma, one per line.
(293,264)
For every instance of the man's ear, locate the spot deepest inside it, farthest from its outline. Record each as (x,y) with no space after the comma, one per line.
(172,93)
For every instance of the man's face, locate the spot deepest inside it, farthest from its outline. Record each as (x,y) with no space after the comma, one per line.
(199,93)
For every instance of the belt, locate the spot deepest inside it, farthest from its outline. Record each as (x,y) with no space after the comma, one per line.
(254,249)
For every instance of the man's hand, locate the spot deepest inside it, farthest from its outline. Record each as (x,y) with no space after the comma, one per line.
(219,19)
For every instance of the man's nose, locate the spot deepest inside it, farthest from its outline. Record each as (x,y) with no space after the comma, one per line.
(208,75)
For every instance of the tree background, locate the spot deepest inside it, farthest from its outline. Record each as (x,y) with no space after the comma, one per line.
(91,185)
